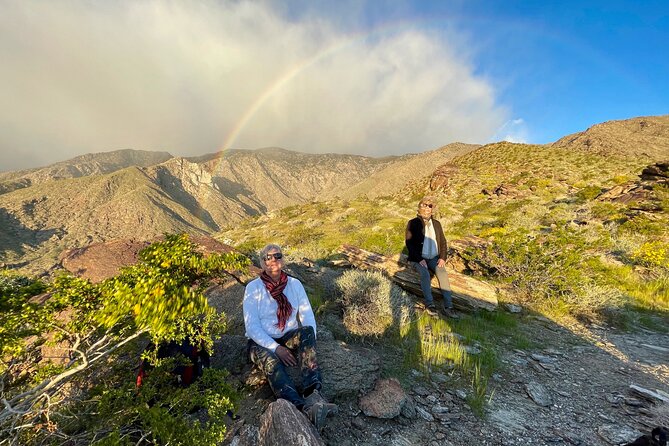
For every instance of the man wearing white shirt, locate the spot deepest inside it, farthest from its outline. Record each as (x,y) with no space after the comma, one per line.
(281,329)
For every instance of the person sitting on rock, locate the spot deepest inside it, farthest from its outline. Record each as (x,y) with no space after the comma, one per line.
(427,248)
(281,331)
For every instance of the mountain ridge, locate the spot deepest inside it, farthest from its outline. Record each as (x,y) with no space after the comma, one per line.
(209,193)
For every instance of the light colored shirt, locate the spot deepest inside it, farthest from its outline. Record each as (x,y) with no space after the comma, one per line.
(430,248)
(260,308)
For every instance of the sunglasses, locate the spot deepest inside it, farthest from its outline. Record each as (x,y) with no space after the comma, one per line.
(275,256)
(426,205)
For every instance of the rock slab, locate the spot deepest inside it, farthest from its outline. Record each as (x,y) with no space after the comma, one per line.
(385,401)
(283,424)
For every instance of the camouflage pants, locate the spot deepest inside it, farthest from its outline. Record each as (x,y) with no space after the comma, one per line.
(302,343)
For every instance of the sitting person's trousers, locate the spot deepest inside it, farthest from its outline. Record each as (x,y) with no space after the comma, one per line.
(302,343)
(425,280)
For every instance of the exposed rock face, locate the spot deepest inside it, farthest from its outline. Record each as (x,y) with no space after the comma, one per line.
(439,179)
(640,192)
(100,261)
(503,191)
(283,424)
(385,401)
(658,173)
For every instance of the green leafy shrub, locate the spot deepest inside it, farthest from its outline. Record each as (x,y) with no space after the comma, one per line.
(159,297)
(19,318)
(372,304)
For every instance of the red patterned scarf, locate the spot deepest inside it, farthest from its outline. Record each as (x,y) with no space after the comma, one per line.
(276,290)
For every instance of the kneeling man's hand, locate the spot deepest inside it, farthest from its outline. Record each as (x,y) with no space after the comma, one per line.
(285,356)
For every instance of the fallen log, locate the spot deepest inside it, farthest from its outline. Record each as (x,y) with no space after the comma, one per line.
(468,292)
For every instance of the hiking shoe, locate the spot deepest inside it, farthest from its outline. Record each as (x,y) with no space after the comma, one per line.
(317,409)
(450,313)
(431,310)
(317,413)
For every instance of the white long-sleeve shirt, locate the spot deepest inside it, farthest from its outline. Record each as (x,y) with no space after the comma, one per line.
(430,248)
(260,312)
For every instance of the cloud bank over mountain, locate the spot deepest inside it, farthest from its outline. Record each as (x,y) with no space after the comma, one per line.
(192,78)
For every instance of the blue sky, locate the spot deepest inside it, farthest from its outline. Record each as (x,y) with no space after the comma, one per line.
(368,77)
(562,66)
(559,66)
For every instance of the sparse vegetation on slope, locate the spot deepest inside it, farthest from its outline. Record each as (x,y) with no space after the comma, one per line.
(560,247)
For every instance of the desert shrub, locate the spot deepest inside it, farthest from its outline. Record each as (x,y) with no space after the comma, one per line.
(595,302)
(652,253)
(384,241)
(159,298)
(17,313)
(540,267)
(368,217)
(588,193)
(372,304)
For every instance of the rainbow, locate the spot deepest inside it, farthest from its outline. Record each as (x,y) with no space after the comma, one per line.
(578,47)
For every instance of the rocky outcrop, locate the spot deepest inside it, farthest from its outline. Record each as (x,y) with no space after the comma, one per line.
(283,424)
(640,194)
(439,178)
(503,190)
(100,261)
(656,173)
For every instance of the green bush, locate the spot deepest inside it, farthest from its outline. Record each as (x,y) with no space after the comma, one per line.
(159,298)
(19,318)
(372,304)
(588,193)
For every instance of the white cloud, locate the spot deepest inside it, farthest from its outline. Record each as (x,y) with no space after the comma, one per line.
(186,77)
(514,130)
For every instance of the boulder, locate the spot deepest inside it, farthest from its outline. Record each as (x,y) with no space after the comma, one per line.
(385,401)
(283,424)
(347,370)
(100,261)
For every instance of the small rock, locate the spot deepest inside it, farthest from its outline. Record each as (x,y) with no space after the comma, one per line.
(431,399)
(514,308)
(439,409)
(539,394)
(461,394)
(424,414)
(606,417)
(358,423)
(543,359)
(422,391)
(472,350)
(385,401)
(409,409)
(617,433)
(439,378)
(654,397)
(634,402)
(615,398)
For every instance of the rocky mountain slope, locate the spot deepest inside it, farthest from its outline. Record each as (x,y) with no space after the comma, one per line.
(643,137)
(98,197)
(127,193)
(84,165)
(404,170)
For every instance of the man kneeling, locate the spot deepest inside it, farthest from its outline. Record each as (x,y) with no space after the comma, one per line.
(281,329)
